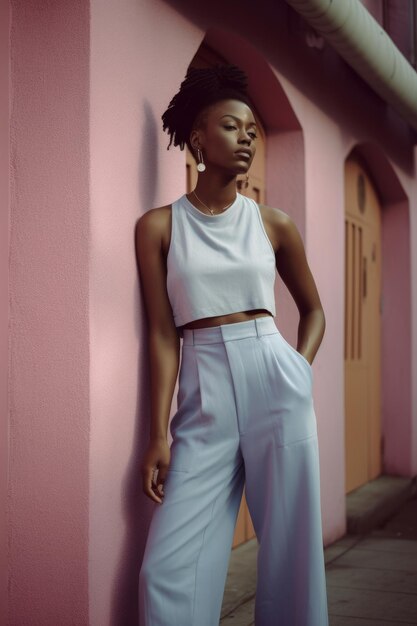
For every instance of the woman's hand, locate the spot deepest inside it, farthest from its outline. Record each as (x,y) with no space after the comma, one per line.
(157,456)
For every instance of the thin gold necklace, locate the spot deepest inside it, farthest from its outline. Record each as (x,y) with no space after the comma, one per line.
(211,211)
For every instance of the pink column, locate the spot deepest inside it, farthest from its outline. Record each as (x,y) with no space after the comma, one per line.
(4,299)
(397,423)
(49,420)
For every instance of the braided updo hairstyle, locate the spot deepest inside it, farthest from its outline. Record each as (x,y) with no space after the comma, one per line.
(199,89)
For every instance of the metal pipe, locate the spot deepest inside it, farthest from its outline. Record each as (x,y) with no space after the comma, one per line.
(365,45)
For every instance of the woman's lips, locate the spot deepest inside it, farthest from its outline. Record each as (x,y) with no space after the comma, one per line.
(243,155)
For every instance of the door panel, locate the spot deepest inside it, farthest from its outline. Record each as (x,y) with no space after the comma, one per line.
(362,328)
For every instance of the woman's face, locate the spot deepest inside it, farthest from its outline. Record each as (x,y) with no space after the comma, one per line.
(227,136)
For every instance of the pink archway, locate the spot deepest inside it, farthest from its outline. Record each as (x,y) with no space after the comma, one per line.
(396,383)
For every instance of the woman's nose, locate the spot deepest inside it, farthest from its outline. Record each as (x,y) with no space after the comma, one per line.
(245,139)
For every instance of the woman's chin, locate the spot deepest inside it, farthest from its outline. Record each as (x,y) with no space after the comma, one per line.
(235,170)
(240,169)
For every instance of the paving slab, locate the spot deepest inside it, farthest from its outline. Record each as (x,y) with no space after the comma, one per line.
(374,605)
(373,503)
(387,544)
(241,576)
(370,579)
(339,547)
(242,616)
(378,559)
(403,524)
(358,621)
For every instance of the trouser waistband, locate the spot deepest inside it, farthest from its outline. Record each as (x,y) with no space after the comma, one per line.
(226,332)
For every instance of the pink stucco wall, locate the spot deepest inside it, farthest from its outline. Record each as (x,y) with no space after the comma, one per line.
(131,171)
(47,500)
(396,398)
(4,304)
(89,83)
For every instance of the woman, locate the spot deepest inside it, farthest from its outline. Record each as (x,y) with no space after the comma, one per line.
(245,415)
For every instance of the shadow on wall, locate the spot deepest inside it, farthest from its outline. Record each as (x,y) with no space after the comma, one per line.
(137,507)
(148,162)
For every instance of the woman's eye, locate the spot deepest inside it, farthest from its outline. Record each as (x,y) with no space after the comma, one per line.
(253,135)
(230,127)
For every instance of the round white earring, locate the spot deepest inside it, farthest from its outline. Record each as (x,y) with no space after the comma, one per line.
(201,165)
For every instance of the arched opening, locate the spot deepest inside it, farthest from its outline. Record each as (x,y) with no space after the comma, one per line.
(277,173)
(377,319)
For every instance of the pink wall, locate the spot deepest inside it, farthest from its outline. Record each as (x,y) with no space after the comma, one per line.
(325,251)
(133,76)
(375,8)
(396,333)
(4,285)
(48,508)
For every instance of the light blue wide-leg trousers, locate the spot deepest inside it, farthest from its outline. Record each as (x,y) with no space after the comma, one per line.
(245,416)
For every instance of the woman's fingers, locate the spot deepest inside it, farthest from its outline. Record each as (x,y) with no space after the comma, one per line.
(158,485)
(161,482)
(149,485)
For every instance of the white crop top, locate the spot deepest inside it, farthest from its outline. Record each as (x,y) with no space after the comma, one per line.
(219,264)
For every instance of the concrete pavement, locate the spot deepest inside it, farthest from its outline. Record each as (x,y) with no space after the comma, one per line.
(371,576)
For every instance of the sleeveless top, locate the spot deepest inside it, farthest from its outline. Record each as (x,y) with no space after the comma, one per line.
(219,264)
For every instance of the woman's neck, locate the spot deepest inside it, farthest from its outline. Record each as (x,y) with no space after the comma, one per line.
(215,191)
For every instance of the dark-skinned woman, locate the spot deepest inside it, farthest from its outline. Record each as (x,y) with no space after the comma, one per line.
(245,415)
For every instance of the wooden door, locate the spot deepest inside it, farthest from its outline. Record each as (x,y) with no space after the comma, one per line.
(362,343)
(206,57)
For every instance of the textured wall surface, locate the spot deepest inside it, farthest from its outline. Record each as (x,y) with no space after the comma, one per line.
(49,332)
(4,300)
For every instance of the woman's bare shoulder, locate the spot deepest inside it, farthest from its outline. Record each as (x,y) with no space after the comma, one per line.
(157,213)
(274,214)
(155,220)
(277,223)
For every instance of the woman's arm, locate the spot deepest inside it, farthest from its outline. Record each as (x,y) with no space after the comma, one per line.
(163,343)
(292,266)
